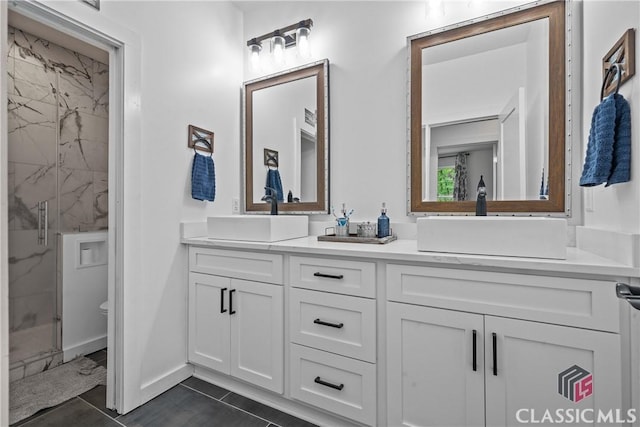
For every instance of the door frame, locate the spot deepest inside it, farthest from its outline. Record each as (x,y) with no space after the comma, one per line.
(81,22)
(516,104)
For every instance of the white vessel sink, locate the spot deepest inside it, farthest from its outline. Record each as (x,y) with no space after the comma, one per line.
(534,237)
(257,228)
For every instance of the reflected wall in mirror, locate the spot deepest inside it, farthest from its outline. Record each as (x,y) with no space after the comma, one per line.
(287,140)
(487,100)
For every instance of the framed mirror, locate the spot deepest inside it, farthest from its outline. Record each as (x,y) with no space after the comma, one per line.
(487,101)
(286,140)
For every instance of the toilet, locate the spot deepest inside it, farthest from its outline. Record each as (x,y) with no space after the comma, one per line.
(104,308)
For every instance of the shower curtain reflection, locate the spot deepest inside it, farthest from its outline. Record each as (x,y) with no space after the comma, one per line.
(460,180)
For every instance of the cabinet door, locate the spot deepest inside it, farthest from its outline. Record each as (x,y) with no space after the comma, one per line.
(209,321)
(257,334)
(431,378)
(542,367)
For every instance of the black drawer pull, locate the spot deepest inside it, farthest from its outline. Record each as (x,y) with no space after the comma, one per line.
(326,384)
(475,358)
(222,309)
(333,325)
(328,276)
(231,310)
(629,292)
(495,354)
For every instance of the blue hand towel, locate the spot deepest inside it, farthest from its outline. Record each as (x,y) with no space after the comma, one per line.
(621,162)
(203,178)
(273,181)
(608,151)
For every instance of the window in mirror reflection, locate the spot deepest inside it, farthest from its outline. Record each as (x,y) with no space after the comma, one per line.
(446,177)
(460,154)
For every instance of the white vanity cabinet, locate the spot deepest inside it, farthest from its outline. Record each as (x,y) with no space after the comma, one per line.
(530,359)
(236,326)
(430,375)
(332,328)
(460,353)
(346,335)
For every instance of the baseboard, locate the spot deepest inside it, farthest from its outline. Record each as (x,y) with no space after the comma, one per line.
(84,348)
(279,402)
(163,383)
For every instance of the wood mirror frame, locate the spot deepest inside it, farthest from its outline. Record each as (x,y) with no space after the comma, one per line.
(319,70)
(555,12)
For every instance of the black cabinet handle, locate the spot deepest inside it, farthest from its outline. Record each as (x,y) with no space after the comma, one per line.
(475,342)
(231,310)
(495,353)
(333,325)
(328,276)
(629,292)
(327,384)
(222,309)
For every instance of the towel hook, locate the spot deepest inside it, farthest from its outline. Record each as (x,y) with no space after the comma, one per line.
(271,158)
(202,136)
(206,143)
(606,76)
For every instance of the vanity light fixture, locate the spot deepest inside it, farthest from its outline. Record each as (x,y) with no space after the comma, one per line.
(292,35)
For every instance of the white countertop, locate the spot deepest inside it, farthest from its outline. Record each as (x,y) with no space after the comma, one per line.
(577,262)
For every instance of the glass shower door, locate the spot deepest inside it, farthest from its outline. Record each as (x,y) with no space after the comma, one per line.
(33,207)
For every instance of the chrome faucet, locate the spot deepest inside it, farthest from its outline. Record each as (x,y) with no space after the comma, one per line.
(481,201)
(272,197)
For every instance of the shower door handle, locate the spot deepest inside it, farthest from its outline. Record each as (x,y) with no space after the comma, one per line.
(43,223)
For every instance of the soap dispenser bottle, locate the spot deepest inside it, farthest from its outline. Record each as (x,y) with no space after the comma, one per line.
(383,222)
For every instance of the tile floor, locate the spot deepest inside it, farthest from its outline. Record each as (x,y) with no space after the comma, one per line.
(192,403)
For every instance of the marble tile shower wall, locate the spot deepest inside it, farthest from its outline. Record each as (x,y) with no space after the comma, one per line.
(58,151)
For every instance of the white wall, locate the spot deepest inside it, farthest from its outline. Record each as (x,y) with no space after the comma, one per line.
(191,54)
(365,43)
(615,208)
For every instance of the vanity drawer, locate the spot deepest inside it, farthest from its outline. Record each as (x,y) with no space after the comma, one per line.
(257,266)
(334,275)
(337,323)
(334,383)
(583,303)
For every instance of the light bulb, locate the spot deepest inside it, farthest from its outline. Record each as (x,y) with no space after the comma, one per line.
(302,37)
(254,55)
(277,47)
